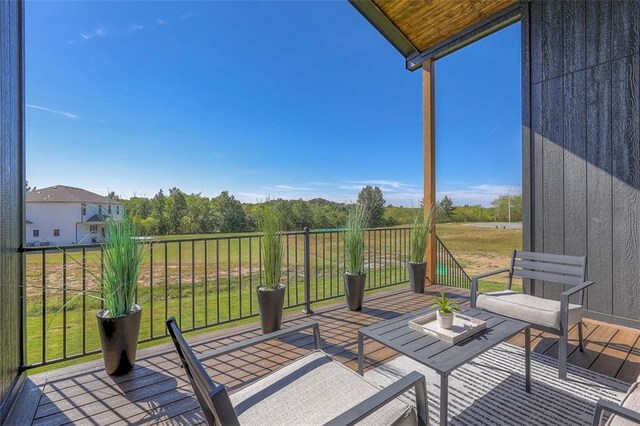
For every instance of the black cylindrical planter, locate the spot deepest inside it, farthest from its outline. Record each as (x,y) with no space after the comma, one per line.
(119,338)
(271,303)
(354,290)
(417,276)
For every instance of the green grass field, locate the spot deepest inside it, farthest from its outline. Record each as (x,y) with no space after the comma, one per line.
(214,281)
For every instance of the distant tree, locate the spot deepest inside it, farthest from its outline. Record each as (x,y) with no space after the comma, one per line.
(175,210)
(501,207)
(444,210)
(112,196)
(158,214)
(373,200)
(229,214)
(28,187)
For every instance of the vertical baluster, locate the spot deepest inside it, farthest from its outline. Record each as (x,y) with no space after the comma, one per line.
(206,281)
(84,300)
(166,284)
(180,284)
(193,284)
(64,304)
(315,235)
(240,276)
(330,264)
(324,275)
(229,278)
(295,261)
(44,306)
(250,278)
(217,281)
(151,289)
(288,275)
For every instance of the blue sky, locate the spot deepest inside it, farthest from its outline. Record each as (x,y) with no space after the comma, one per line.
(279,99)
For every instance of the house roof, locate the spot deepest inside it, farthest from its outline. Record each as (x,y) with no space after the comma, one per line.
(433,28)
(68,194)
(96,218)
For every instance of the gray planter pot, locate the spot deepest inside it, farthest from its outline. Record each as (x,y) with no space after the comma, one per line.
(119,339)
(271,303)
(354,290)
(417,276)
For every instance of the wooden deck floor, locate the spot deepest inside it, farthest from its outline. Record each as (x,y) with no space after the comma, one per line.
(156,391)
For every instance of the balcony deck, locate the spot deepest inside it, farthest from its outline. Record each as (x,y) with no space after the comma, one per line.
(157,392)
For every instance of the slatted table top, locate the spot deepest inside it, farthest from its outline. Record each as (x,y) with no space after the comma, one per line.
(436,354)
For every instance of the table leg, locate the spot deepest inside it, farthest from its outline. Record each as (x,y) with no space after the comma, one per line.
(444,399)
(360,353)
(527,356)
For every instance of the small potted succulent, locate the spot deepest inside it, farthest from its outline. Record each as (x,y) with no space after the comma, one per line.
(355,277)
(445,311)
(119,321)
(420,233)
(271,290)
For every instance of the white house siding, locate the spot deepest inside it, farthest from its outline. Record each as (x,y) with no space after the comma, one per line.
(46,217)
(68,218)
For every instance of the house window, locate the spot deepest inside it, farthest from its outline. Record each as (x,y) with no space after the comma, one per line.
(102,230)
(84,209)
(93,229)
(117,209)
(100,209)
(56,232)
(109,209)
(36,232)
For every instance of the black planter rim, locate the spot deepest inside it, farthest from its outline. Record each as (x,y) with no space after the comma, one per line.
(280,287)
(134,310)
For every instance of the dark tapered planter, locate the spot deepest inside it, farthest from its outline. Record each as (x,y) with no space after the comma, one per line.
(119,338)
(354,290)
(271,303)
(417,276)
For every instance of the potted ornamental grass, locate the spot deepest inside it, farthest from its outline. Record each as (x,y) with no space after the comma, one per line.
(419,238)
(119,321)
(271,290)
(444,314)
(354,276)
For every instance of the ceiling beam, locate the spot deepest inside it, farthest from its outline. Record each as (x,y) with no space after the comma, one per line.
(383,24)
(475,32)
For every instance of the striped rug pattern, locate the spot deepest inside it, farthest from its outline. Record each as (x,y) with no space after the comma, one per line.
(490,390)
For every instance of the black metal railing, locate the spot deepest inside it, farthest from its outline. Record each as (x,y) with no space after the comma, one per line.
(202,281)
(448,271)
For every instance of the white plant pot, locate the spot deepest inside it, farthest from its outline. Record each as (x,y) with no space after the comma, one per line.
(445,320)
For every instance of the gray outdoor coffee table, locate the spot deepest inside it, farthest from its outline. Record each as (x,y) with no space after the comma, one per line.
(440,356)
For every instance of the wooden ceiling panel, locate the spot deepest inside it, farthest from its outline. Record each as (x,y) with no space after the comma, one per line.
(425,23)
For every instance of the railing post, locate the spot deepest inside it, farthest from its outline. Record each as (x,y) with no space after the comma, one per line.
(307,273)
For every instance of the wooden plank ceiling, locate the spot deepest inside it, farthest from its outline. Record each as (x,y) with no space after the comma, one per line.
(425,23)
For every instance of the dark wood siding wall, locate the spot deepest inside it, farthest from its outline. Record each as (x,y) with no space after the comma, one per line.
(11,197)
(581,143)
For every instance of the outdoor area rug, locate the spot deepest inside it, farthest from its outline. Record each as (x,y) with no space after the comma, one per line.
(490,390)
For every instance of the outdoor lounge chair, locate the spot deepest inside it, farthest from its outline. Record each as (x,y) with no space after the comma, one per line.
(312,390)
(549,315)
(625,414)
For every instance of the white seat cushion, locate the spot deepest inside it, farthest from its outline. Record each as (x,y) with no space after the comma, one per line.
(630,401)
(524,307)
(311,391)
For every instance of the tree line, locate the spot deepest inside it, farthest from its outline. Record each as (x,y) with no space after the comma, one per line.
(177,212)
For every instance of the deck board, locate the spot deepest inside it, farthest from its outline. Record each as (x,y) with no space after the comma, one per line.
(157,392)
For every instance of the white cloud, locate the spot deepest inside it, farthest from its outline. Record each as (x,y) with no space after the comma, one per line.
(54,111)
(100,31)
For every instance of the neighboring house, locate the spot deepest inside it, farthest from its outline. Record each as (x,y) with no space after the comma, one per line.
(64,215)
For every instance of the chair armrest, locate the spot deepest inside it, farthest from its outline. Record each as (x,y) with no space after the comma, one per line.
(607,406)
(261,339)
(575,289)
(474,283)
(386,395)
